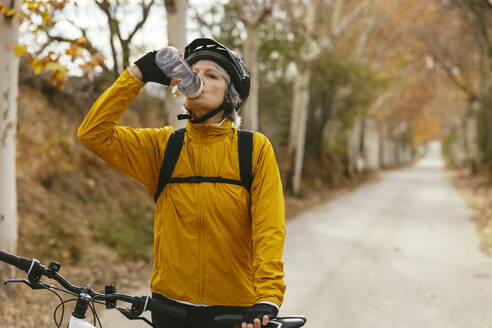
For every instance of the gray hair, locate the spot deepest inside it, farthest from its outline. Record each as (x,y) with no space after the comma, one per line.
(234,98)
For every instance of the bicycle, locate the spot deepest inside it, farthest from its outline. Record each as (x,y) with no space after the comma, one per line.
(87,299)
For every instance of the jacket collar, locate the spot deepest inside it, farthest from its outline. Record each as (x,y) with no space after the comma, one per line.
(201,130)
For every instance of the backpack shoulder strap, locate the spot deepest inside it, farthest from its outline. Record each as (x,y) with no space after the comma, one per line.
(245,148)
(171,156)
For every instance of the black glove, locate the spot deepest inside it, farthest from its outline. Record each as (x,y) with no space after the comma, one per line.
(258,311)
(150,71)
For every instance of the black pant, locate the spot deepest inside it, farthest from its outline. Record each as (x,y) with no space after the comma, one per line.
(198,316)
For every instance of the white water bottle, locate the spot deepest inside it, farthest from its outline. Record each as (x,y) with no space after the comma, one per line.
(174,66)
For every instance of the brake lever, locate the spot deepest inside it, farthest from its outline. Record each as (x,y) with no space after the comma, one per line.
(134,315)
(276,323)
(36,285)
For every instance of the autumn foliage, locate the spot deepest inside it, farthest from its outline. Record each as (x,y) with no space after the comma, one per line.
(36,17)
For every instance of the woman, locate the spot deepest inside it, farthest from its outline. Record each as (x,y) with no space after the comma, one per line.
(217,246)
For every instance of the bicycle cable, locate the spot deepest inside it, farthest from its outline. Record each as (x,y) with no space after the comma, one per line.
(94,314)
(63,308)
(62,304)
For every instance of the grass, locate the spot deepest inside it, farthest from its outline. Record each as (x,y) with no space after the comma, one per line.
(130,232)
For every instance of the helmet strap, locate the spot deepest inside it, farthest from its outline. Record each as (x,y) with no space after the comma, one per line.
(224,106)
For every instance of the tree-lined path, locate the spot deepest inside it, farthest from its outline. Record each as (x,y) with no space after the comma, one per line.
(400,252)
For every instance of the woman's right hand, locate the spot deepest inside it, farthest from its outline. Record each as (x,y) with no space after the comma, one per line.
(150,71)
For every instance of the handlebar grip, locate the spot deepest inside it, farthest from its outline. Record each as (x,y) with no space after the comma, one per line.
(168,309)
(229,319)
(19,262)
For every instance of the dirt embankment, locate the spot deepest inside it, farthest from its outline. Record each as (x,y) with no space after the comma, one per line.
(72,207)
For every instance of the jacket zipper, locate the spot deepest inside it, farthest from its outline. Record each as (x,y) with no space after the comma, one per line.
(200,220)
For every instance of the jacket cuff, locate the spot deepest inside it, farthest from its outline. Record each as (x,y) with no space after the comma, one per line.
(133,75)
(269,303)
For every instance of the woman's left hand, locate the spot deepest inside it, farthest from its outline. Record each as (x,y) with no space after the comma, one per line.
(251,317)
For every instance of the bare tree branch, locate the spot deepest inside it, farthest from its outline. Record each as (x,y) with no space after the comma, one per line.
(340,28)
(200,20)
(289,10)
(335,20)
(289,6)
(115,32)
(238,5)
(145,14)
(255,19)
(170,6)
(88,46)
(105,7)
(449,72)
(262,16)
(380,100)
(443,63)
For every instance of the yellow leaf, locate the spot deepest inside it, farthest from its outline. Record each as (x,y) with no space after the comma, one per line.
(81,41)
(52,66)
(20,50)
(97,59)
(38,67)
(61,85)
(46,17)
(60,73)
(10,13)
(3,9)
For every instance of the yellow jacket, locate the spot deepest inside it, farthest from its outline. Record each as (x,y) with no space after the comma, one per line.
(214,243)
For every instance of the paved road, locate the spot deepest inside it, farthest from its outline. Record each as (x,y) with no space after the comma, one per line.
(401,252)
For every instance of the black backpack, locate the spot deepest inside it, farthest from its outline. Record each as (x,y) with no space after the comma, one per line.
(173,149)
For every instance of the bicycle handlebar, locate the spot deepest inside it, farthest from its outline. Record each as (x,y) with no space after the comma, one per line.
(19,262)
(35,270)
(279,322)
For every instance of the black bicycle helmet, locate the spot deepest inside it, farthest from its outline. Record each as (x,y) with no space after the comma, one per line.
(208,49)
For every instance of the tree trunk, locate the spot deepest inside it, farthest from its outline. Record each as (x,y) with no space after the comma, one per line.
(318,119)
(125,48)
(250,50)
(354,148)
(371,144)
(293,132)
(9,29)
(294,118)
(302,87)
(314,136)
(176,37)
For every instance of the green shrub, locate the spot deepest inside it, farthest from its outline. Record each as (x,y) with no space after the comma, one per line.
(130,232)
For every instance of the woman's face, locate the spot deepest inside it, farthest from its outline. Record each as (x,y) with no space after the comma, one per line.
(214,87)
